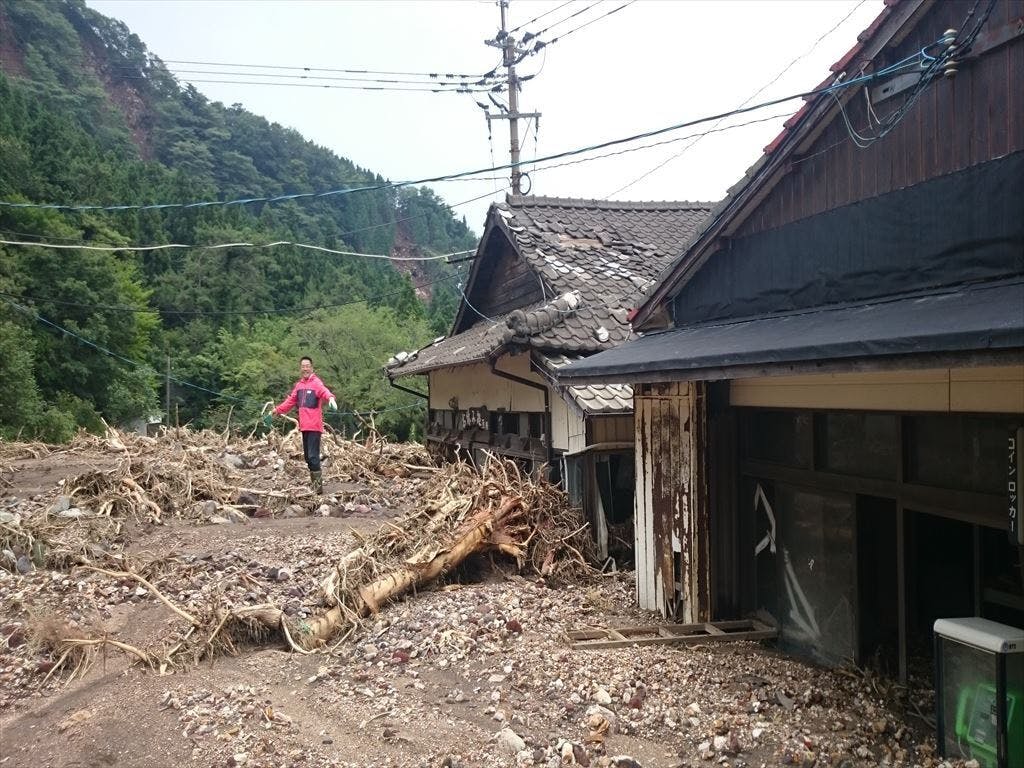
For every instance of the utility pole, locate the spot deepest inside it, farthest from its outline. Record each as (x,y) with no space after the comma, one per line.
(510,51)
(167,391)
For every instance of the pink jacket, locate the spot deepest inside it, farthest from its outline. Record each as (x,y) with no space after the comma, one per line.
(308,395)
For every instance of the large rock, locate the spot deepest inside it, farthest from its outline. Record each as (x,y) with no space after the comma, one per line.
(510,742)
(60,504)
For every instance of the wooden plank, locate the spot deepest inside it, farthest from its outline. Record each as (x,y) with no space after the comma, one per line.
(1015,103)
(671,634)
(643,533)
(586,634)
(680,640)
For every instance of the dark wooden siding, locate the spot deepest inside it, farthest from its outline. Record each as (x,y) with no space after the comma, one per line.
(509,284)
(973,117)
(504,282)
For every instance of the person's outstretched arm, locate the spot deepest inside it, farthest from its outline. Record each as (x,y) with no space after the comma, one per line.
(289,402)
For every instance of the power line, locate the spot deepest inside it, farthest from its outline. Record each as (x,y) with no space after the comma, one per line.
(540,44)
(665,142)
(142,366)
(531,35)
(166,376)
(838,86)
(221,246)
(491,320)
(746,101)
(392,81)
(806,53)
(437,74)
(541,16)
(396,89)
(221,312)
(358,230)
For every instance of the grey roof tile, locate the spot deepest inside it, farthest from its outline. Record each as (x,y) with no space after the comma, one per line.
(594,399)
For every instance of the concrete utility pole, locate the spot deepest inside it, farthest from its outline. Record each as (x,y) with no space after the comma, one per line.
(510,51)
(167,391)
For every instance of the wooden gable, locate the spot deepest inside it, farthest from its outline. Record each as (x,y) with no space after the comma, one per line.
(958,122)
(938,201)
(502,282)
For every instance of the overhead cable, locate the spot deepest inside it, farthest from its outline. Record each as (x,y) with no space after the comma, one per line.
(221,246)
(838,86)
(541,16)
(437,74)
(221,312)
(142,366)
(952,47)
(746,101)
(166,376)
(389,81)
(531,35)
(665,142)
(358,230)
(541,44)
(393,88)
(465,298)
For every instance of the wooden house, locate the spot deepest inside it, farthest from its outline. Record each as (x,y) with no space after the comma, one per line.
(552,282)
(829,390)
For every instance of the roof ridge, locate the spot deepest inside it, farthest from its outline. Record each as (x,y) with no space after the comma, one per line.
(525,201)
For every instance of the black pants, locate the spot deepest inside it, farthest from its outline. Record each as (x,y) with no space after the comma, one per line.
(311,450)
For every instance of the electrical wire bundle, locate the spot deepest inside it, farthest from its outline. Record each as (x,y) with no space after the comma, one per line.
(947,53)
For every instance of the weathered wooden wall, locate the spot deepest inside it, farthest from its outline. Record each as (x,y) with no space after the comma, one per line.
(611,429)
(672,524)
(568,430)
(957,122)
(509,284)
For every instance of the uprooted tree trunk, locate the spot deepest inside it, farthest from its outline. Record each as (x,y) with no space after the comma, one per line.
(475,535)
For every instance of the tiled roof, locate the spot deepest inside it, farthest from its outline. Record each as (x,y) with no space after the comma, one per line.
(604,253)
(593,399)
(608,251)
(470,346)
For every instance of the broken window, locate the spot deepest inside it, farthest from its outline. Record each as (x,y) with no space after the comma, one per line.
(862,444)
(806,578)
(779,437)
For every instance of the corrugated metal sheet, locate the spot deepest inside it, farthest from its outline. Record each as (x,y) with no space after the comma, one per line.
(672,524)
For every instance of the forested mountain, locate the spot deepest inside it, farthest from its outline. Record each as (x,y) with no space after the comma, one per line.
(88,116)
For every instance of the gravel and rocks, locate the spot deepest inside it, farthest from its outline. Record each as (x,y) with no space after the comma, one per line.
(473,671)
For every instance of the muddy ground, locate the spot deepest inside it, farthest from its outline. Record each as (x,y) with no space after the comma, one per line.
(474,671)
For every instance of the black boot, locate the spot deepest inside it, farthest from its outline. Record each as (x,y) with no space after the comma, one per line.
(316,480)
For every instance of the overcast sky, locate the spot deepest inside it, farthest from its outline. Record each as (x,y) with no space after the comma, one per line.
(652,64)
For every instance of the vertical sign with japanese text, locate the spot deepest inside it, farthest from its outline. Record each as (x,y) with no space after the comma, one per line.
(1015,484)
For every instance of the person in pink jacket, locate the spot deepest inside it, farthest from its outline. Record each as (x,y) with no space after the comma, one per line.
(308,395)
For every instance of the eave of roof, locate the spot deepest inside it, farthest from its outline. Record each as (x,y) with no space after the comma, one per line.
(969,319)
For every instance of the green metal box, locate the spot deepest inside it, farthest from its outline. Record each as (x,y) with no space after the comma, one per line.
(979,691)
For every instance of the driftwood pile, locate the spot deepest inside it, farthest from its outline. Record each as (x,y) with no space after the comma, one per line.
(460,513)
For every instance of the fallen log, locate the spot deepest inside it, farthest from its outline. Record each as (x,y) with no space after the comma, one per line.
(475,535)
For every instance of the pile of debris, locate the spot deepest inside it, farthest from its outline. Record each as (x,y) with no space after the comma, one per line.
(84,529)
(185,548)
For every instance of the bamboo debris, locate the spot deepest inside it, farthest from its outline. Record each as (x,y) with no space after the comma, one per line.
(462,512)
